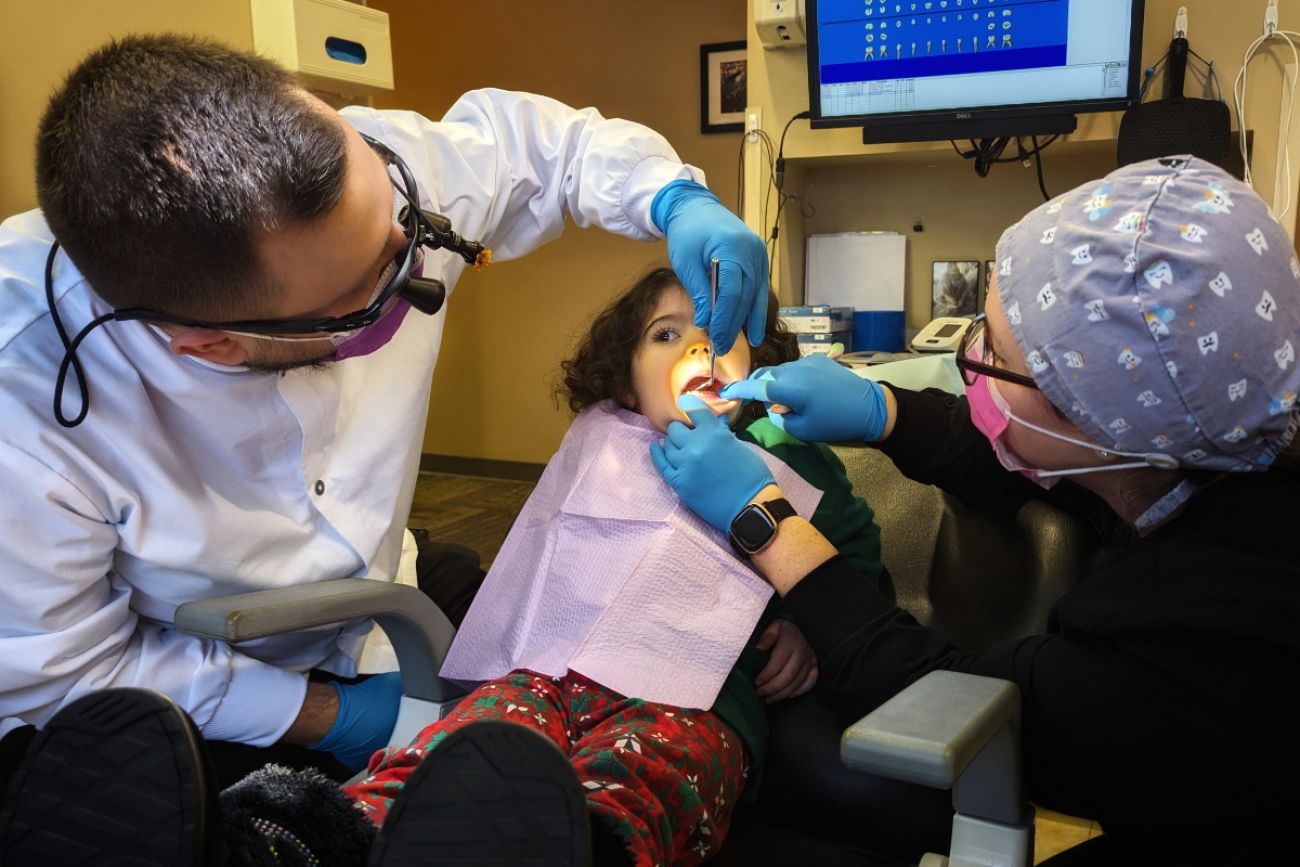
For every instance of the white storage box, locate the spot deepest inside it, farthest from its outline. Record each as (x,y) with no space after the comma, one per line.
(820,344)
(331,45)
(818,319)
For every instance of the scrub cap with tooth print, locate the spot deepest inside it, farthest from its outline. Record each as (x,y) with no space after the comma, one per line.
(1159,309)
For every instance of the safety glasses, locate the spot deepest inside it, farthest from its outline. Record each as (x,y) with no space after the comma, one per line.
(421,228)
(975,357)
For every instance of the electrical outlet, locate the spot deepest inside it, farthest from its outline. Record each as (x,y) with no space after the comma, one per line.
(753,120)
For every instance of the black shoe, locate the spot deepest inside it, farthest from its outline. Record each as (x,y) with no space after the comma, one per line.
(492,793)
(118,776)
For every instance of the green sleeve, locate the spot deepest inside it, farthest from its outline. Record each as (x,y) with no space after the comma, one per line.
(842,517)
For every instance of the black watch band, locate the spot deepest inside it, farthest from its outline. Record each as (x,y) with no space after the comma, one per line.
(754,528)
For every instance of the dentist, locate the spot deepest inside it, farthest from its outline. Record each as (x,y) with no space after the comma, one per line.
(215,356)
(1140,341)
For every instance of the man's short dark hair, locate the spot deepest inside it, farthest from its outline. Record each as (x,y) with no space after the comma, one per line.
(163,160)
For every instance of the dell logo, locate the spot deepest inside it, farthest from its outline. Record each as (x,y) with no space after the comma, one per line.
(963,115)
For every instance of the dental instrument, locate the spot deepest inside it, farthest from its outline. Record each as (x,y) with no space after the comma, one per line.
(713,288)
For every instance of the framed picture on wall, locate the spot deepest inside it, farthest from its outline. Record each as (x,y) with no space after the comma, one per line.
(956,288)
(722,87)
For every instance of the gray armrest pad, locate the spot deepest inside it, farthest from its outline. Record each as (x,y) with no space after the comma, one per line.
(931,732)
(419,631)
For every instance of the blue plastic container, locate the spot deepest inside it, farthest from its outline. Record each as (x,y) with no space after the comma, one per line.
(878,331)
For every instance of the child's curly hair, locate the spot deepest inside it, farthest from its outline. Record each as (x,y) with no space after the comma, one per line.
(601,367)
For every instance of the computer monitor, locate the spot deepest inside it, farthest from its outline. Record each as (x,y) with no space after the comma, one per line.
(924,70)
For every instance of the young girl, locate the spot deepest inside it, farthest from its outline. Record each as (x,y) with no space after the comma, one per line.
(636,751)
(659,780)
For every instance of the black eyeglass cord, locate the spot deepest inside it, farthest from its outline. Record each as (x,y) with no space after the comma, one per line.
(70,350)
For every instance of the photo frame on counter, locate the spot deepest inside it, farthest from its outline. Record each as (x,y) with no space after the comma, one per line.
(955,287)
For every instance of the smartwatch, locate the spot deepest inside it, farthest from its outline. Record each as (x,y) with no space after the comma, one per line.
(755,527)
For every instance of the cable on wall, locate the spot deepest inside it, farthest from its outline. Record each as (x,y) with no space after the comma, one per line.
(1270,34)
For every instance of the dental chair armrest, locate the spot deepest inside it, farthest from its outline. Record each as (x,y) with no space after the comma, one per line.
(416,627)
(948,730)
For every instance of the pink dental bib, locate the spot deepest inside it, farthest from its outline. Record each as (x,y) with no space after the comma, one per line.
(608,574)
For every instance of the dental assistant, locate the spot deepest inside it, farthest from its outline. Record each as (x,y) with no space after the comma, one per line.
(1140,342)
(215,356)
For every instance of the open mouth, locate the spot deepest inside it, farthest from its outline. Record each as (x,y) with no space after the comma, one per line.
(701,387)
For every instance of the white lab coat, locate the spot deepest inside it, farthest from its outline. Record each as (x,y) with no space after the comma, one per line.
(190,480)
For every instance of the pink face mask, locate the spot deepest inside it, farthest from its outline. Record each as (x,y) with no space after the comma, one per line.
(991,414)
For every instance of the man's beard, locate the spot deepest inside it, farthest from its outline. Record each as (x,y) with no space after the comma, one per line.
(268,363)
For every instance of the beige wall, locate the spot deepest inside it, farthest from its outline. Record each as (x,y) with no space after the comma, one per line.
(491,392)
(37,56)
(639,61)
(963,214)
(508,327)
(888,187)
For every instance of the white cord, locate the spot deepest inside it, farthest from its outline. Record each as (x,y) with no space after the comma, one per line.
(1239,101)
(1287,184)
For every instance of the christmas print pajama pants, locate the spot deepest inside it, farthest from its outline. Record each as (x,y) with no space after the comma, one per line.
(664,777)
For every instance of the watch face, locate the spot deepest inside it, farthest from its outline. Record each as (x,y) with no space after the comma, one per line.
(752,528)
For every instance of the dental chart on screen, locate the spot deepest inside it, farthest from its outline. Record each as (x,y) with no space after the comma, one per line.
(884,57)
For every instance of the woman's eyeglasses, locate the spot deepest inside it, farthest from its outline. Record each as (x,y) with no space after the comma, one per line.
(975,357)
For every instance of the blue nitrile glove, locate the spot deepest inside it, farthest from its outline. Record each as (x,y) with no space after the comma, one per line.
(714,473)
(827,401)
(367,714)
(700,229)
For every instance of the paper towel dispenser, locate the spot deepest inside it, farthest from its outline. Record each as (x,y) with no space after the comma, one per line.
(780,23)
(331,45)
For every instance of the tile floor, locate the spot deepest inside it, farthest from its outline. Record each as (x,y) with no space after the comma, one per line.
(470,510)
